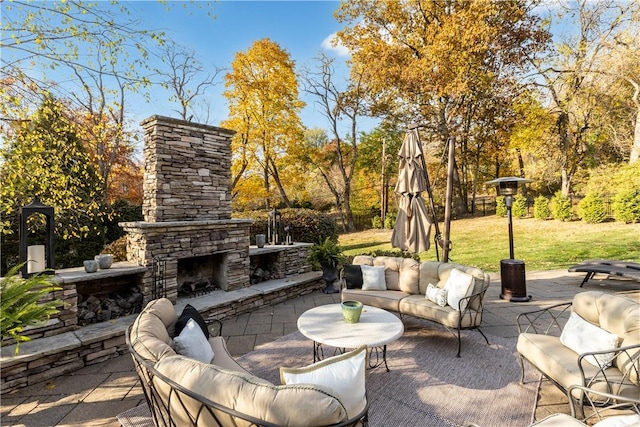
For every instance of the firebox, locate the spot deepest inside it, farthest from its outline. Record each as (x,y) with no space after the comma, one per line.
(202,273)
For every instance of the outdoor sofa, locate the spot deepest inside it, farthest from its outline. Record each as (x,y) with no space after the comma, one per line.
(405,287)
(182,391)
(598,347)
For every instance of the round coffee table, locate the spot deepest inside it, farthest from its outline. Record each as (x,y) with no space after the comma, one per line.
(326,326)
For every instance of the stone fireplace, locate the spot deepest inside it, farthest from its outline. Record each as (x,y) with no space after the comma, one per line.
(188,238)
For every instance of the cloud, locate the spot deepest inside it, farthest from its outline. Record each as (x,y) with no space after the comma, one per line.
(331,43)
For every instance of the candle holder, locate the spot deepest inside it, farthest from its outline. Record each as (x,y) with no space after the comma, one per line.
(41,258)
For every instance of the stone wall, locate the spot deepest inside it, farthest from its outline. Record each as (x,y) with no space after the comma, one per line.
(187,173)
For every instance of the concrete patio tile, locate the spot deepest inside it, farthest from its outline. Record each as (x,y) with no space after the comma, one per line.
(40,413)
(266,338)
(101,414)
(258,328)
(240,345)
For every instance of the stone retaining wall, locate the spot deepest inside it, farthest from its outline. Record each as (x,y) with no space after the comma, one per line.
(46,358)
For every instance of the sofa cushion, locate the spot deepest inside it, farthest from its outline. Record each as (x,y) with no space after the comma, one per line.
(386,300)
(429,274)
(344,374)
(419,306)
(286,405)
(149,336)
(582,337)
(618,315)
(373,278)
(401,274)
(560,363)
(353,276)
(192,343)
(363,260)
(189,312)
(458,286)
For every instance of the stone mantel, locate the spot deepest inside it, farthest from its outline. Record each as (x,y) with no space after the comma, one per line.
(184,225)
(267,249)
(78,275)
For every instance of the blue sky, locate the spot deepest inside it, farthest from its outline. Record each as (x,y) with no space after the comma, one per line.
(302,28)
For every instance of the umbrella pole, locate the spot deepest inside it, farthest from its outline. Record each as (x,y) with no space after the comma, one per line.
(437,237)
(449,199)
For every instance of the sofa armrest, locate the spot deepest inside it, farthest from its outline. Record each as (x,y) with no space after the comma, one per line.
(542,321)
(473,313)
(601,375)
(599,403)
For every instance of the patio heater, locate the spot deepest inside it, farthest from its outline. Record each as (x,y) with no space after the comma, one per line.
(512,271)
(36,258)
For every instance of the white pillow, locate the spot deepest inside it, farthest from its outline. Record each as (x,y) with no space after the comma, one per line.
(436,295)
(192,343)
(620,421)
(344,374)
(373,278)
(582,336)
(458,286)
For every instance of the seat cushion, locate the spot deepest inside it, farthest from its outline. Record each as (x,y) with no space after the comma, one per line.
(419,306)
(560,364)
(386,300)
(286,405)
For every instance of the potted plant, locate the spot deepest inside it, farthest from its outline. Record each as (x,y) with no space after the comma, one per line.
(328,255)
(22,305)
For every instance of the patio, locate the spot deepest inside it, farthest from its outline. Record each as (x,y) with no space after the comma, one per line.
(94,395)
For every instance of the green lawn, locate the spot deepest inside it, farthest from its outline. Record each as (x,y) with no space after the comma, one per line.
(542,245)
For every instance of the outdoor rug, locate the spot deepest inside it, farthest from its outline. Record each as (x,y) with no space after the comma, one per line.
(427,384)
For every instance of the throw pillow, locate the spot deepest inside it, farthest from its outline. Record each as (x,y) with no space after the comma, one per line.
(436,295)
(189,312)
(353,276)
(582,336)
(458,286)
(193,344)
(373,278)
(344,374)
(620,421)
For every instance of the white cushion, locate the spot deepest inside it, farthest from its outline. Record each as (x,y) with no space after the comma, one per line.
(192,343)
(344,374)
(620,421)
(373,278)
(436,295)
(582,336)
(458,286)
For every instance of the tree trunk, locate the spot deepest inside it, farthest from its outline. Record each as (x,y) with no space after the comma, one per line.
(635,148)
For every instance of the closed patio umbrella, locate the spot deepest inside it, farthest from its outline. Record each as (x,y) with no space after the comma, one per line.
(412,228)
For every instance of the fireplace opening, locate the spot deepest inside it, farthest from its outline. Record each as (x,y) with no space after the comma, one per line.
(202,274)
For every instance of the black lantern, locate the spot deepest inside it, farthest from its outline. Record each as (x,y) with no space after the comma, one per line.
(37,258)
(512,271)
(275,233)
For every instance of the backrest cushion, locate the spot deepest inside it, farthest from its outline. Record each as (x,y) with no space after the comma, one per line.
(401,274)
(615,314)
(149,336)
(286,405)
(429,274)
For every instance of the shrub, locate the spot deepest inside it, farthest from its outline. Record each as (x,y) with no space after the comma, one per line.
(541,208)
(591,209)
(117,248)
(307,225)
(626,206)
(561,207)
(390,220)
(21,303)
(376,222)
(519,208)
(501,206)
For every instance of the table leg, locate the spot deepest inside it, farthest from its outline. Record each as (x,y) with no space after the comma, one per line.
(378,362)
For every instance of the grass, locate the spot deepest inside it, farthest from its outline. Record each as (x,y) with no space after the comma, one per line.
(542,245)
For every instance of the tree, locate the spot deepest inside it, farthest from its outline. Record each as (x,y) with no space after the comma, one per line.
(46,159)
(568,78)
(186,79)
(427,61)
(339,106)
(262,90)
